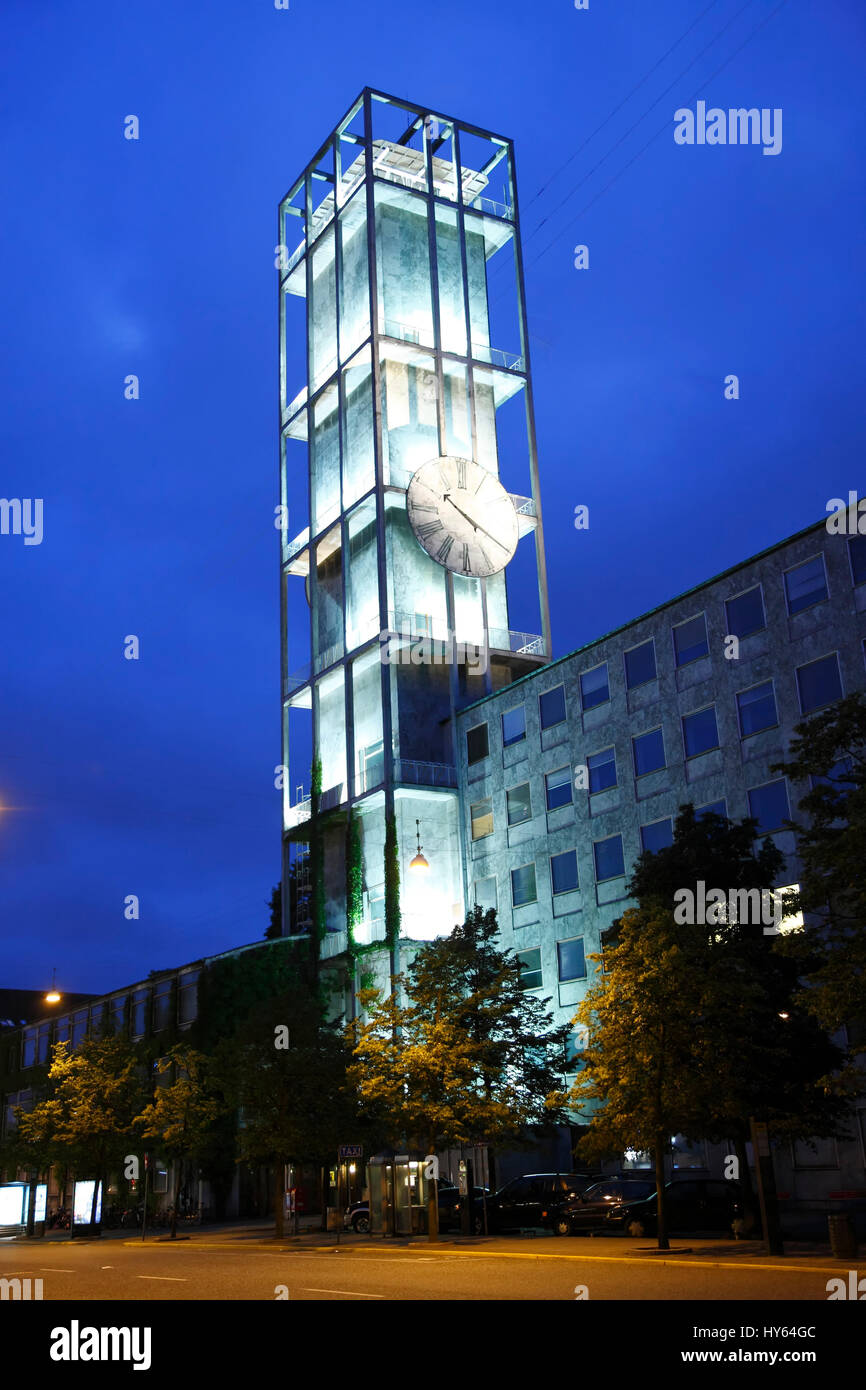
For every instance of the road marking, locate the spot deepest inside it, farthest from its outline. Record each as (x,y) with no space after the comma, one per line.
(56,1269)
(162,1278)
(350,1293)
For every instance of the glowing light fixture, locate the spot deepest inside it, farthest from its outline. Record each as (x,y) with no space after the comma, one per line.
(419,863)
(53,996)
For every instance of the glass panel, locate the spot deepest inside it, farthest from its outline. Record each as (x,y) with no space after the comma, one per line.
(700,732)
(714,808)
(328,645)
(558,786)
(359,467)
(602,770)
(640,664)
(485,894)
(403,266)
(476,744)
(518,804)
(458,421)
(513,726)
(551,707)
(452,314)
(323,313)
(594,688)
(757,708)
(563,871)
(690,640)
(481,816)
(523,885)
(857,551)
(331,724)
(325,460)
(657,836)
(819,683)
(806,584)
(354,277)
(362,584)
(530,975)
(769,805)
(367,722)
(571,959)
(745,613)
(649,752)
(608,858)
(162,1006)
(410,428)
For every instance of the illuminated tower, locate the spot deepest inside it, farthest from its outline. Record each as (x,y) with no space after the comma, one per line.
(410,457)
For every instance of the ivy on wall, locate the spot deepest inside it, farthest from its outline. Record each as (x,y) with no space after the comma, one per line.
(354,883)
(392,882)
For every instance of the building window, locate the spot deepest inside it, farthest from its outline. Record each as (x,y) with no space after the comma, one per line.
(551,707)
(187,997)
(523,885)
(594,686)
(481,818)
(62,1027)
(640,664)
(713,808)
(563,871)
(575,1046)
(530,974)
(700,731)
(745,613)
(570,960)
(79,1027)
(602,770)
(477,747)
(35,1042)
(117,1014)
(485,894)
(757,709)
(558,787)
(806,584)
(690,640)
(513,725)
(162,1005)
(608,858)
(819,683)
(815,1153)
(518,804)
(769,806)
(857,556)
(139,1013)
(649,752)
(658,835)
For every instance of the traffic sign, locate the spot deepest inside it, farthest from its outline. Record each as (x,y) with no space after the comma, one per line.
(351,1150)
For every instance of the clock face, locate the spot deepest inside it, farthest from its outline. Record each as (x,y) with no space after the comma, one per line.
(462,516)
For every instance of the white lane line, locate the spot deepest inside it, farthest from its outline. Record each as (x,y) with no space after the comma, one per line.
(350,1293)
(162,1278)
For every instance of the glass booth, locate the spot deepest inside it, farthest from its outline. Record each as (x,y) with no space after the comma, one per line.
(399,1192)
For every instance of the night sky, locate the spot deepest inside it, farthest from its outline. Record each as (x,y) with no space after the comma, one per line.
(156,257)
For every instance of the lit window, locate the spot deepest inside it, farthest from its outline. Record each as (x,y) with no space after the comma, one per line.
(551,707)
(594,686)
(513,726)
(690,640)
(518,804)
(806,584)
(819,683)
(523,885)
(571,960)
(481,817)
(608,858)
(745,613)
(530,974)
(563,871)
(640,664)
(700,731)
(649,752)
(658,835)
(769,806)
(558,787)
(757,709)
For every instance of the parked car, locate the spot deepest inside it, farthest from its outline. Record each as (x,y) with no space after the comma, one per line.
(535,1199)
(591,1209)
(692,1205)
(620,1206)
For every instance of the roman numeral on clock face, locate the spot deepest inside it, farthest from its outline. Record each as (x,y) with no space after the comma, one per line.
(461,473)
(444,550)
(428,529)
(467,563)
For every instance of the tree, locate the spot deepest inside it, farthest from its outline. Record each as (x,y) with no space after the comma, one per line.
(719,1004)
(87,1120)
(181,1115)
(275,926)
(829,754)
(469,1056)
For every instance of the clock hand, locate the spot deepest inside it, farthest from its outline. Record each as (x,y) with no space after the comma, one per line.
(476,524)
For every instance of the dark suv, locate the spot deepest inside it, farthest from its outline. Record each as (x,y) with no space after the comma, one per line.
(593,1209)
(692,1206)
(535,1199)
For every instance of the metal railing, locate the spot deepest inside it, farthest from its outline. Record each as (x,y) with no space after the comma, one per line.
(524,643)
(424,774)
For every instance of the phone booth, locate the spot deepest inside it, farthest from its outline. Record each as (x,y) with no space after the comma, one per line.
(399,1191)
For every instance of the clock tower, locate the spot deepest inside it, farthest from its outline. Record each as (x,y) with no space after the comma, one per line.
(412,577)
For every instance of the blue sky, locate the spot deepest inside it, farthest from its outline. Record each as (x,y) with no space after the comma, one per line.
(156,257)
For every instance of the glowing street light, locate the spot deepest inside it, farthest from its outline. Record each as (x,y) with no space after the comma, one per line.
(419,863)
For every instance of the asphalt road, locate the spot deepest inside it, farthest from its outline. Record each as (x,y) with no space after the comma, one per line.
(548,1269)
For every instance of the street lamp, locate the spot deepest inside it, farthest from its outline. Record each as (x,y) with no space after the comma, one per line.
(419,864)
(53,996)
